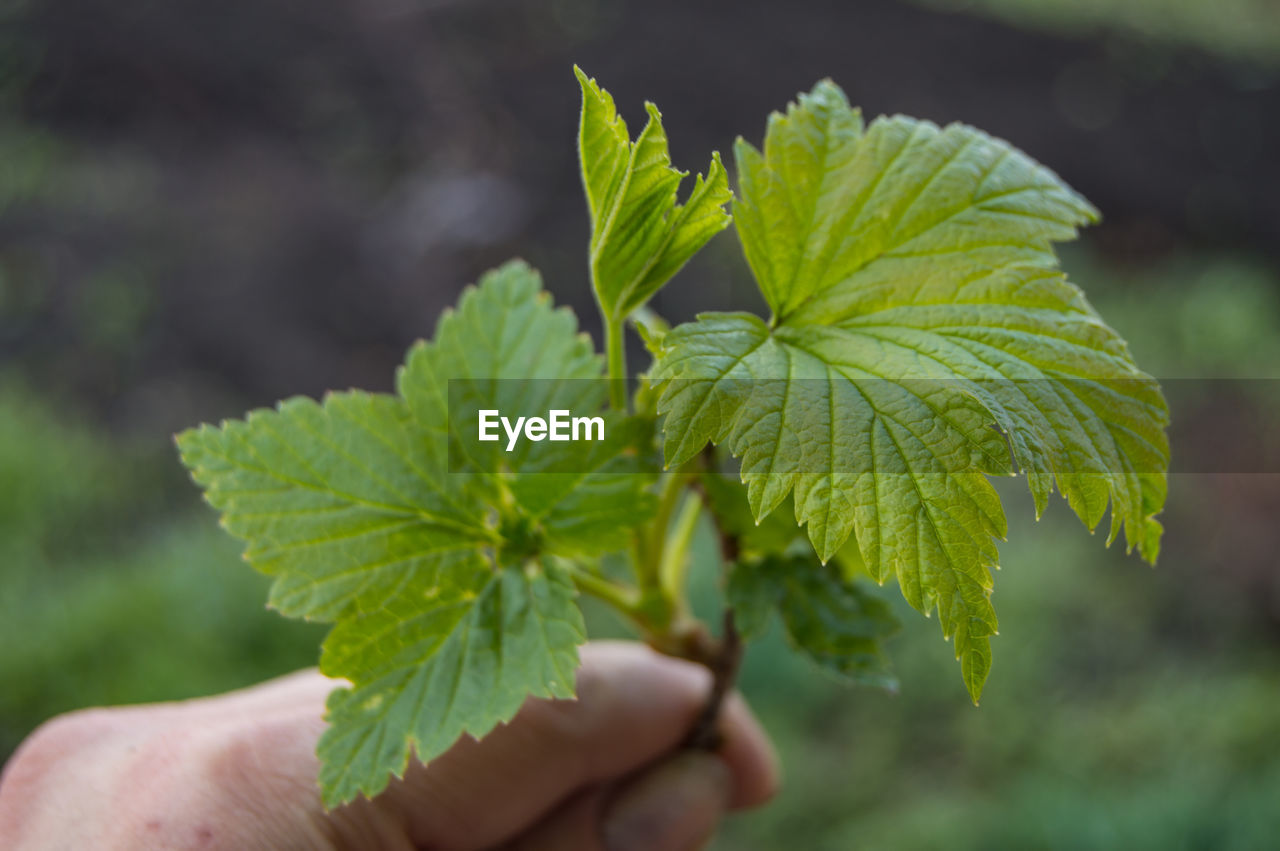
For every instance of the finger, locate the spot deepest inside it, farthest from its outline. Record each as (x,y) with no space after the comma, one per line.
(671,806)
(572,826)
(744,743)
(633,707)
(749,753)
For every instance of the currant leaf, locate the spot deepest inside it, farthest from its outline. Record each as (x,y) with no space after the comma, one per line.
(433,555)
(835,623)
(426,675)
(922,339)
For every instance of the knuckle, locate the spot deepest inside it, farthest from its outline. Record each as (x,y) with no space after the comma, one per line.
(58,740)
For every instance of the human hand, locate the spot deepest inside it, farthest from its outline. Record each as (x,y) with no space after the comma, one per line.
(238,771)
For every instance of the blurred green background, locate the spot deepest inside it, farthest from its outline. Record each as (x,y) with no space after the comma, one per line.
(204,208)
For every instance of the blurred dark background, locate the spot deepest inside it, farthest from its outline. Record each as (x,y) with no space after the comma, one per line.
(207,207)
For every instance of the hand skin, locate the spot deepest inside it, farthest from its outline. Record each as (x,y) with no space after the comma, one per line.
(238,771)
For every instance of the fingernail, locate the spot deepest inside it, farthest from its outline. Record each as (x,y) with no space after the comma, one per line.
(675,805)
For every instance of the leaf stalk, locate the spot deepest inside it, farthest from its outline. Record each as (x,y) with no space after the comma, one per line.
(625,599)
(615,346)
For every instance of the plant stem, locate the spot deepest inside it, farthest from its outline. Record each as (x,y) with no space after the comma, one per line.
(653,539)
(659,567)
(615,346)
(704,734)
(726,661)
(675,551)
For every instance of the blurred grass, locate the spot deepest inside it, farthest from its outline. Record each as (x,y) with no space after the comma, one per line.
(112,595)
(1128,707)
(1098,728)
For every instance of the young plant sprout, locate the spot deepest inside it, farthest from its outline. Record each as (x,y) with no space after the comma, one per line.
(921,340)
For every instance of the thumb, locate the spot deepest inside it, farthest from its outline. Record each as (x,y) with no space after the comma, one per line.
(674,805)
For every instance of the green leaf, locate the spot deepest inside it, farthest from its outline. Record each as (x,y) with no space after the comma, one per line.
(505,349)
(834,622)
(346,504)
(587,512)
(640,236)
(774,534)
(428,674)
(383,514)
(922,338)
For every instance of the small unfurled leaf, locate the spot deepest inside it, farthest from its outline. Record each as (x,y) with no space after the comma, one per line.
(640,236)
(922,338)
(836,623)
(433,554)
